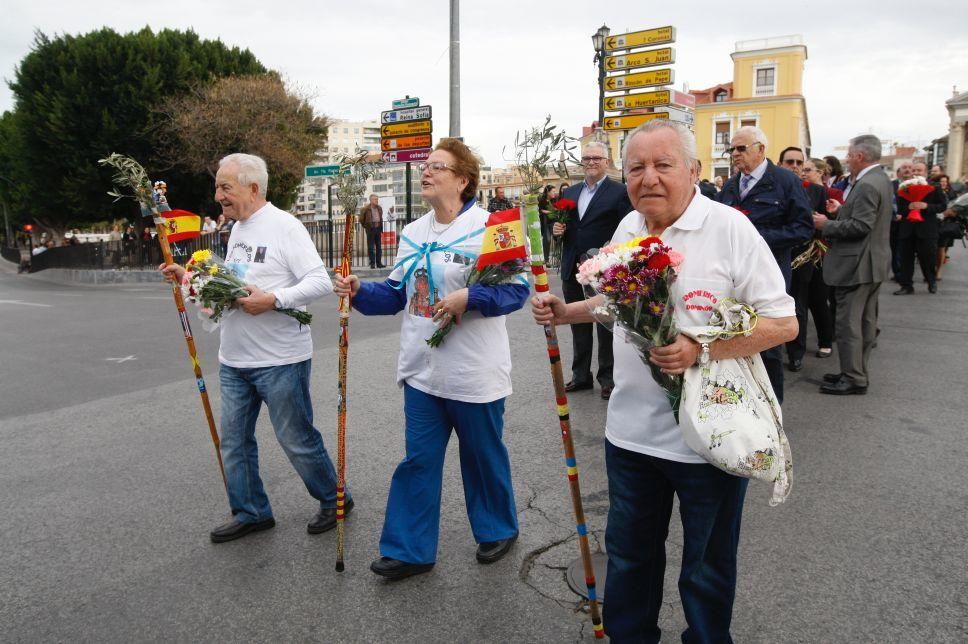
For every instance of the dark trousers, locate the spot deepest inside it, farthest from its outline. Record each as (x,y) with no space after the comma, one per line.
(581,363)
(640,491)
(373,250)
(927,252)
(895,255)
(856,329)
(810,297)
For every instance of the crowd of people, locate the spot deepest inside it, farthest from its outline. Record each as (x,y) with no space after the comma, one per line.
(790,239)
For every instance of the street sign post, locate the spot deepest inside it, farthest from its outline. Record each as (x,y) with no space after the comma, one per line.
(411,114)
(405,142)
(322,170)
(403,103)
(407,156)
(652,78)
(406,128)
(646,38)
(632,121)
(651,58)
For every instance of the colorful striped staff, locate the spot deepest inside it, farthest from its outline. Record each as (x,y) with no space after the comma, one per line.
(561,401)
(130,174)
(344,344)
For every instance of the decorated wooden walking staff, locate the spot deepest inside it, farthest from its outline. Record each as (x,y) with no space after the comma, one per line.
(344,344)
(130,174)
(561,400)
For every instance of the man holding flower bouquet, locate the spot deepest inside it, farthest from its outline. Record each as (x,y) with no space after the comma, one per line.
(647,459)
(264,355)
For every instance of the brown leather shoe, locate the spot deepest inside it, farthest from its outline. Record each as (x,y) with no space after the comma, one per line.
(607,391)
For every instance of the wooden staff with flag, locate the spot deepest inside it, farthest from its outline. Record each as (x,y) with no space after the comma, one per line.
(561,402)
(172,225)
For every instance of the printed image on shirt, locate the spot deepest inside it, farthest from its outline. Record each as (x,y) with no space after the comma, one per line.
(260,255)
(422,300)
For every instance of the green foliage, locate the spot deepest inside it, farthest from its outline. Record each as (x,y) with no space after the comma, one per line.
(354,170)
(537,148)
(80,98)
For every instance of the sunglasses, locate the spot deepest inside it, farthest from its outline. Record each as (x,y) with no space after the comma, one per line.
(796,162)
(741,148)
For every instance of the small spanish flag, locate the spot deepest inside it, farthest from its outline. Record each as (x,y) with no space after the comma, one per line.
(503,239)
(181,225)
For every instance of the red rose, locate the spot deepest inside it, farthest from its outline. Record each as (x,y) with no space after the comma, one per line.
(565,204)
(806,184)
(648,241)
(658,261)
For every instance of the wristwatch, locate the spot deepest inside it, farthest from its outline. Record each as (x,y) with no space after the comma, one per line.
(703,358)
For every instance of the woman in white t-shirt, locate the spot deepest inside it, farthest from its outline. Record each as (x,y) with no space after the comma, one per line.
(460,385)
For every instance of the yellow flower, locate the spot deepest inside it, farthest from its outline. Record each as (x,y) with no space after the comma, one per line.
(213,270)
(201,255)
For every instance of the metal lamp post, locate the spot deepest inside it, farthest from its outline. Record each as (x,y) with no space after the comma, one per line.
(598,40)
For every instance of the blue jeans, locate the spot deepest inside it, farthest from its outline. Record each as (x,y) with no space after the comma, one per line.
(412,522)
(285,390)
(640,491)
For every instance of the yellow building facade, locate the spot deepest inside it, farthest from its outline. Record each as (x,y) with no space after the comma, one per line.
(766,91)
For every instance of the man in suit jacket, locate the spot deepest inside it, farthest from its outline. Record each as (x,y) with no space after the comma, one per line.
(775,203)
(371,216)
(919,237)
(857,262)
(602,203)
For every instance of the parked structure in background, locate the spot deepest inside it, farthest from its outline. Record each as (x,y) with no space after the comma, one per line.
(766,91)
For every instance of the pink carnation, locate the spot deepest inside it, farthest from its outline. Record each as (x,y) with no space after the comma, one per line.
(675,258)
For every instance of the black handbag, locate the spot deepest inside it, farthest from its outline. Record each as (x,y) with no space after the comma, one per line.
(951,228)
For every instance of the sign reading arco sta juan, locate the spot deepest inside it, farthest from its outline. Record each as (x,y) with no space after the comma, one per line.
(650,58)
(646,38)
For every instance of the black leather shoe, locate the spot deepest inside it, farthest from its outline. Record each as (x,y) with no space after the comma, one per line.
(577,386)
(843,387)
(904,290)
(381,265)
(326,519)
(795,365)
(607,391)
(832,377)
(394,569)
(491,551)
(932,288)
(237,529)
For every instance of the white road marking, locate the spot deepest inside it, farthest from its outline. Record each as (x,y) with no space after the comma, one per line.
(22,303)
(120,360)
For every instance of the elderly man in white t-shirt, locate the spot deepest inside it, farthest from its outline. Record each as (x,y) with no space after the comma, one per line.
(646,457)
(265,356)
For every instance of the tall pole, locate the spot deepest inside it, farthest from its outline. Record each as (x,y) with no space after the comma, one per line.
(409,193)
(455,68)
(601,88)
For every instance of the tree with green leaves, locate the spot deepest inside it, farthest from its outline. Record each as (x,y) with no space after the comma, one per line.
(255,114)
(80,98)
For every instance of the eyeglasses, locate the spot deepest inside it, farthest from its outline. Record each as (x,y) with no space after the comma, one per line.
(740,148)
(592,159)
(796,162)
(434,167)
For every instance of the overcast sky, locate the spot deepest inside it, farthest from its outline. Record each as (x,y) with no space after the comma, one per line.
(884,67)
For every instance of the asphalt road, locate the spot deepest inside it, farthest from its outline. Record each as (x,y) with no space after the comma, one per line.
(109,487)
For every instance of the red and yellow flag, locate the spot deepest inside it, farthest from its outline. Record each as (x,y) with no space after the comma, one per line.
(181,225)
(503,239)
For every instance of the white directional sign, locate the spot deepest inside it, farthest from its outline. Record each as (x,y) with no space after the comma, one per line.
(411,114)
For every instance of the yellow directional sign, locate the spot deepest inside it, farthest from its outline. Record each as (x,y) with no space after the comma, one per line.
(651,58)
(634,101)
(640,79)
(657,36)
(406,128)
(632,121)
(406,142)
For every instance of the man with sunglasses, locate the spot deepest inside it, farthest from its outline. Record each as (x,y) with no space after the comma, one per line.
(776,204)
(601,205)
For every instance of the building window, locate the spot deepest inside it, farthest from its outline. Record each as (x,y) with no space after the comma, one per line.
(747,123)
(720,96)
(722,133)
(765,81)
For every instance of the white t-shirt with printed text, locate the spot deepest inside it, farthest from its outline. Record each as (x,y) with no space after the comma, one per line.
(724,256)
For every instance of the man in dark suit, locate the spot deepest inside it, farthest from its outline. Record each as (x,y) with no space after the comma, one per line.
(919,237)
(602,203)
(857,262)
(774,200)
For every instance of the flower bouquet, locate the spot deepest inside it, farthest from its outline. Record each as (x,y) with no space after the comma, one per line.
(914,189)
(211,284)
(558,214)
(635,279)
